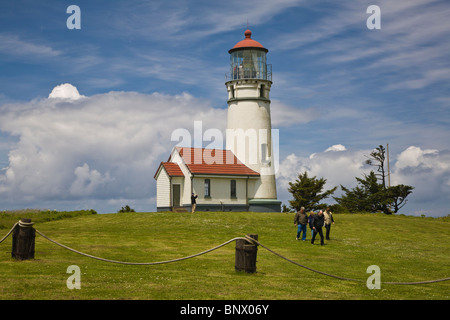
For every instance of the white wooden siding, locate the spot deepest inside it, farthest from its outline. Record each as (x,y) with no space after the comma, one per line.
(163,189)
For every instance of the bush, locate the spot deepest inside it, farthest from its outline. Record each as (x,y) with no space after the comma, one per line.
(9,217)
(126,209)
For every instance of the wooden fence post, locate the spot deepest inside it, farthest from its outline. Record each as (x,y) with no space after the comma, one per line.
(245,257)
(23,240)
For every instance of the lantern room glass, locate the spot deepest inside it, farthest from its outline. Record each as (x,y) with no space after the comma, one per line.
(248,64)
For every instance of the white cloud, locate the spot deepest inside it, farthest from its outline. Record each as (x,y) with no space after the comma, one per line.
(175,20)
(411,35)
(65,91)
(427,170)
(87,181)
(284,115)
(336,167)
(13,46)
(105,146)
(336,147)
(414,157)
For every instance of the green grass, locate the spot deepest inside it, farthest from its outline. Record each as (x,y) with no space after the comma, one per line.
(405,248)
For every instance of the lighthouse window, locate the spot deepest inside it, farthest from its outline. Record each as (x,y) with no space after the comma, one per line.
(261,91)
(264,154)
(248,64)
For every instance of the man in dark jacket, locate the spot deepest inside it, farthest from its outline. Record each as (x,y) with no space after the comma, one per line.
(311,221)
(301,221)
(193,202)
(318,223)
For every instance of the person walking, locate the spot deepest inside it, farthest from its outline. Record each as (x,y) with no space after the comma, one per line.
(193,202)
(328,221)
(318,223)
(301,220)
(311,222)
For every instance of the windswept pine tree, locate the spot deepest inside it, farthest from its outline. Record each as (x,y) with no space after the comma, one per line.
(307,192)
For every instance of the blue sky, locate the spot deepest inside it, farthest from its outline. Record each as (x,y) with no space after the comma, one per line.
(146,68)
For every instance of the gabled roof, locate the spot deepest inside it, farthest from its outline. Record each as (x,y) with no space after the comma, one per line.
(213,161)
(172,169)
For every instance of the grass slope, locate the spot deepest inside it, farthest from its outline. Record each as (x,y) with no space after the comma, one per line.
(405,248)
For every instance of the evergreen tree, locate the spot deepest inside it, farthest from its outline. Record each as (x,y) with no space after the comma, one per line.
(372,196)
(397,195)
(366,197)
(307,192)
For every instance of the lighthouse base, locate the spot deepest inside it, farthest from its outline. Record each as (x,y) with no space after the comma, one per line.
(264,205)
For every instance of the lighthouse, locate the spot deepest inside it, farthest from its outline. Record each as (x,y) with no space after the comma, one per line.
(241,177)
(249,129)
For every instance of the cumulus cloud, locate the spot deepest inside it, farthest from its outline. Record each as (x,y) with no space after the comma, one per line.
(414,157)
(338,167)
(427,170)
(336,147)
(65,91)
(105,146)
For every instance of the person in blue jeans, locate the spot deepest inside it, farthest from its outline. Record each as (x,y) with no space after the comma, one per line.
(301,220)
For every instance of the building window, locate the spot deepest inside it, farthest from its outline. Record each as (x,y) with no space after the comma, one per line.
(233,188)
(207,188)
(261,91)
(264,154)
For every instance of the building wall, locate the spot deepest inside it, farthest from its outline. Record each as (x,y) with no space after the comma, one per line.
(220,191)
(251,141)
(163,189)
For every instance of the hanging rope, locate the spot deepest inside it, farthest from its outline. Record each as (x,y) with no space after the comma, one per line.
(138,263)
(7,235)
(296,263)
(247,238)
(335,276)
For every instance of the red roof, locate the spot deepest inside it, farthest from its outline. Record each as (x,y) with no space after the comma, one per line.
(172,169)
(248,42)
(214,161)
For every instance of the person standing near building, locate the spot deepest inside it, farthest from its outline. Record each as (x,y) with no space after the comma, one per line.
(328,221)
(318,223)
(301,220)
(311,221)
(193,201)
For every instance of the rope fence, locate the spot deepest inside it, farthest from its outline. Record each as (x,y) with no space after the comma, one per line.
(10,231)
(139,263)
(247,238)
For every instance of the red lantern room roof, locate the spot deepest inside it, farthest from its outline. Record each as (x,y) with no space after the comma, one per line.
(248,42)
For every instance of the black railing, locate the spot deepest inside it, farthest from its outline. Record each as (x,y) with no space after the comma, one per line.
(250,73)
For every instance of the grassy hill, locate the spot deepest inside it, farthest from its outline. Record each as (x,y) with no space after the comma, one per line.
(407,249)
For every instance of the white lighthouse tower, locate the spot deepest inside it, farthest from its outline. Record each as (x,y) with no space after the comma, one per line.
(249,129)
